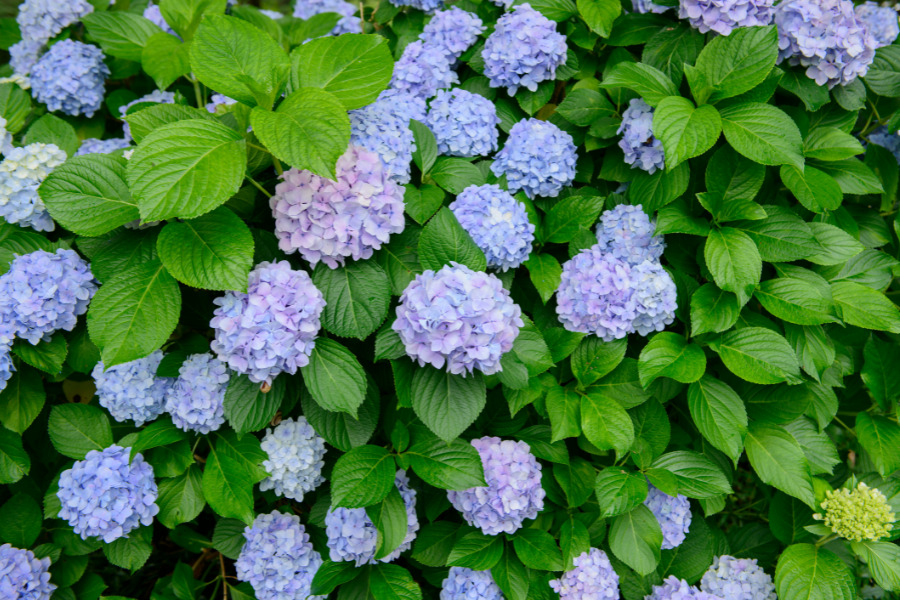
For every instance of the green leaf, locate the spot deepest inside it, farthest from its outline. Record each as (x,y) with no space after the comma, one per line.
(583,106)
(332,574)
(511,576)
(734,260)
(619,491)
(635,538)
(678,218)
(340,429)
(181,498)
(763,134)
(399,258)
(15,105)
(424,156)
(335,378)
(228,538)
(807,572)
(864,307)
(732,182)
(660,188)
(120,34)
(564,411)
(685,131)
(830,144)
(795,301)
(574,540)
(14,461)
(356,297)
(623,385)
(879,371)
(247,407)
(450,466)
(883,559)
(532,102)
(881,439)
(538,550)
(599,14)
(455,174)
(50,129)
(820,451)
(672,48)
(813,95)
(362,477)
(154,116)
(132,551)
(758,355)
(389,518)
(161,432)
(422,202)
(434,543)
(813,188)
(443,241)
(883,76)
(165,58)
(476,551)
(605,423)
(392,582)
(737,63)
(232,468)
(650,83)
(555,10)
(545,273)
(713,310)
(22,400)
(853,176)
(447,403)
(594,359)
(781,236)
(185,15)
(20,521)
(697,475)
(779,461)
(670,355)
(569,216)
(76,429)
(719,413)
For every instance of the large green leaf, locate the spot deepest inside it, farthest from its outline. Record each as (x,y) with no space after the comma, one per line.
(697,475)
(719,414)
(883,559)
(335,378)
(340,429)
(758,355)
(795,301)
(864,307)
(444,241)
(356,297)
(181,498)
(763,133)
(669,355)
(120,33)
(736,63)
(779,461)
(599,14)
(685,131)
(636,538)
(594,358)
(248,407)
(453,466)
(619,491)
(445,402)
(22,400)
(650,83)
(362,477)
(734,261)
(808,572)
(76,429)
(605,423)
(880,437)
(14,461)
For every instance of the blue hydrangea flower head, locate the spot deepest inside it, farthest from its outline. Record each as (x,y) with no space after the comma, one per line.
(403,104)
(379,128)
(196,400)
(458,319)
(626,232)
(132,391)
(23,55)
(673,588)
(24,576)
(331,221)
(724,16)
(295,452)
(880,20)
(453,30)
(882,137)
(107,496)
(278,559)
(427,6)
(352,536)
(642,150)
(156,96)
(524,50)
(673,514)
(21,173)
(97,146)
(465,584)
(217,100)
(271,328)
(592,578)
(655,297)
(737,579)
(648,6)
(70,78)
(538,158)
(154,15)
(6,365)
(463,123)
(497,222)
(6,138)
(304,9)
(422,70)
(41,20)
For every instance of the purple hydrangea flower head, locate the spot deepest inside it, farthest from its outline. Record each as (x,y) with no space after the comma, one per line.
(422,70)
(463,123)
(673,514)
(453,30)
(154,15)
(304,9)
(458,319)
(132,390)
(41,20)
(880,20)
(156,96)
(21,173)
(827,38)
(330,221)
(465,584)
(428,6)
(295,452)
(403,104)
(379,128)
(352,536)
(44,292)
(881,137)
(538,158)
(196,400)
(737,579)
(513,492)
(642,150)
(218,100)
(96,146)
(673,588)
(648,6)
(278,559)
(524,50)
(24,576)
(70,78)
(271,328)
(106,495)
(23,55)
(626,232)
(724,16)
(592,578)
(497,222)
(655,297)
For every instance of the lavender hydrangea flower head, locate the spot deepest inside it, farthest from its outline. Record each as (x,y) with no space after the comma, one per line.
(524,50)
(156,96)
(592,578)
(132,390)
(422,70)
(673,588)
(304,9)
(379,128)
(41,20)
(466,584)
(827,38)
(737,579)
(463,123)
(107,496)
(24,576)
(330,221)
(458,319)
(427,6)
(196,400)
(724,16)
(278,560)
(497,222)
(97,146)
(70,78)
(295,452)
(655,297)
(23,55)
(880,20)
(890,141)
(626,232)
(453,31)
(538,158)
(272,327)
(642,150)
(21,173)
(218,100)
(673,514)
(648,6)
(353,537)
(403,104)
(154,15)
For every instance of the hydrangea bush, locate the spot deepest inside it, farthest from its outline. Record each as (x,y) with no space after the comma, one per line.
(449,300)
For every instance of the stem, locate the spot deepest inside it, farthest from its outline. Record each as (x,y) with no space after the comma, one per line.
(277,164)
(257,186)
(224,584)
(362,17)
(825,539)
(845,426)
(198,93)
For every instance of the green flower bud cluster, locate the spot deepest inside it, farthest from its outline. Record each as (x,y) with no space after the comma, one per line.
(857,515)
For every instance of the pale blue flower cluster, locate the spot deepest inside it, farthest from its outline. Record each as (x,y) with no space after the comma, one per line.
(382,129)
(626,232)
(538,158)
(673,588)
(97,146)
(155,97)
(463,123)
(24,576)
(453,30)
(271,328)
(154,15)
(21,173)
(294,464)
(23,55)
(724,16)
(458,319)
(655,296)
(6,138)
(353,537)
(403,104)
(465,584)
(106,495)
(647,6)
(278,560)
(642,150)
(673,514)
(881,137)
(196,400)
(592,578)
(423,5)
(41,20)
(217,100)
(498,224)
(880,20)
(6,365)
(523,50)
(422,70)
(70,78)
(304,9)
(513,492)
(737,579)
(132,390)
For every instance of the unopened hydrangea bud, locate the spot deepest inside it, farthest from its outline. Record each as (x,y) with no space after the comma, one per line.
(21,173)
(23,55)
(132,391)
(724,16)
(857,515)
(626,232)
(513,492)
(305,9)
(422,70)
(41,20)
(884,138)
(196,399)
(70,78)
(423,5)
(154,97)
(592,578)
(673,588)
(463,123)
(881,22)
(217,100)
(294,464)
(648,6)
(673,514)
(23,576)
(737,579)
(106,495)
(96,146)
(641,148)
(465,584)
(538,158)
(453,31)
(153,14)
(379,128)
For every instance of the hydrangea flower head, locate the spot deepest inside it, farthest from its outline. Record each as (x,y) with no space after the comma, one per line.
(458,319)
(272,327)
(6,365)
(41,20)
(724,16)
(305,9)
(524,50)
(96,146)
(422,70)
(272,14)
(6,138)
(881,22)
(655,297)
(497,222)
(295,452)
(466,584)
(21,173)
(154,15)
(642,150)
(648,6)
(453,31)
(23,55)
(381,129)
(673,588)
(217,100)
(403,104)
(592,578)
(331,221)
(132,390)
(859,514)
(463,123)
(196,400)
(626,232)
(890,141)
(737,579)
(24,576)
(673,514)
(70,78)
(107,496)
(538,158)
(513,492)
(156,96)
(427,6)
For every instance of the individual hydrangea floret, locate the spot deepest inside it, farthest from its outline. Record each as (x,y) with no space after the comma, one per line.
(217,100)
(331,221)
(23,55)
(857,515)
(21,173)
(524,50)
(196,400)
(458,319)
(881,22)
(466,584)
(673,588)
(642,149)
(724,16)
(463,123)
(41,20)
(592,578)
(106,495)
(278,560)
(153,14)
(304,9)
(427,6)
(737,579)
(403,104)
(655,297)
(97,146)
(294,464)
(156,97)
(891,141)
(379,128)
(497,222)
(513,492)
(271,328)
(422,70)
(626,232)
(70,78)
(538,158)
(24,576)
(132,391)
(827,38)
(453,31)
(673,514)
(647,6)
(353,537)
